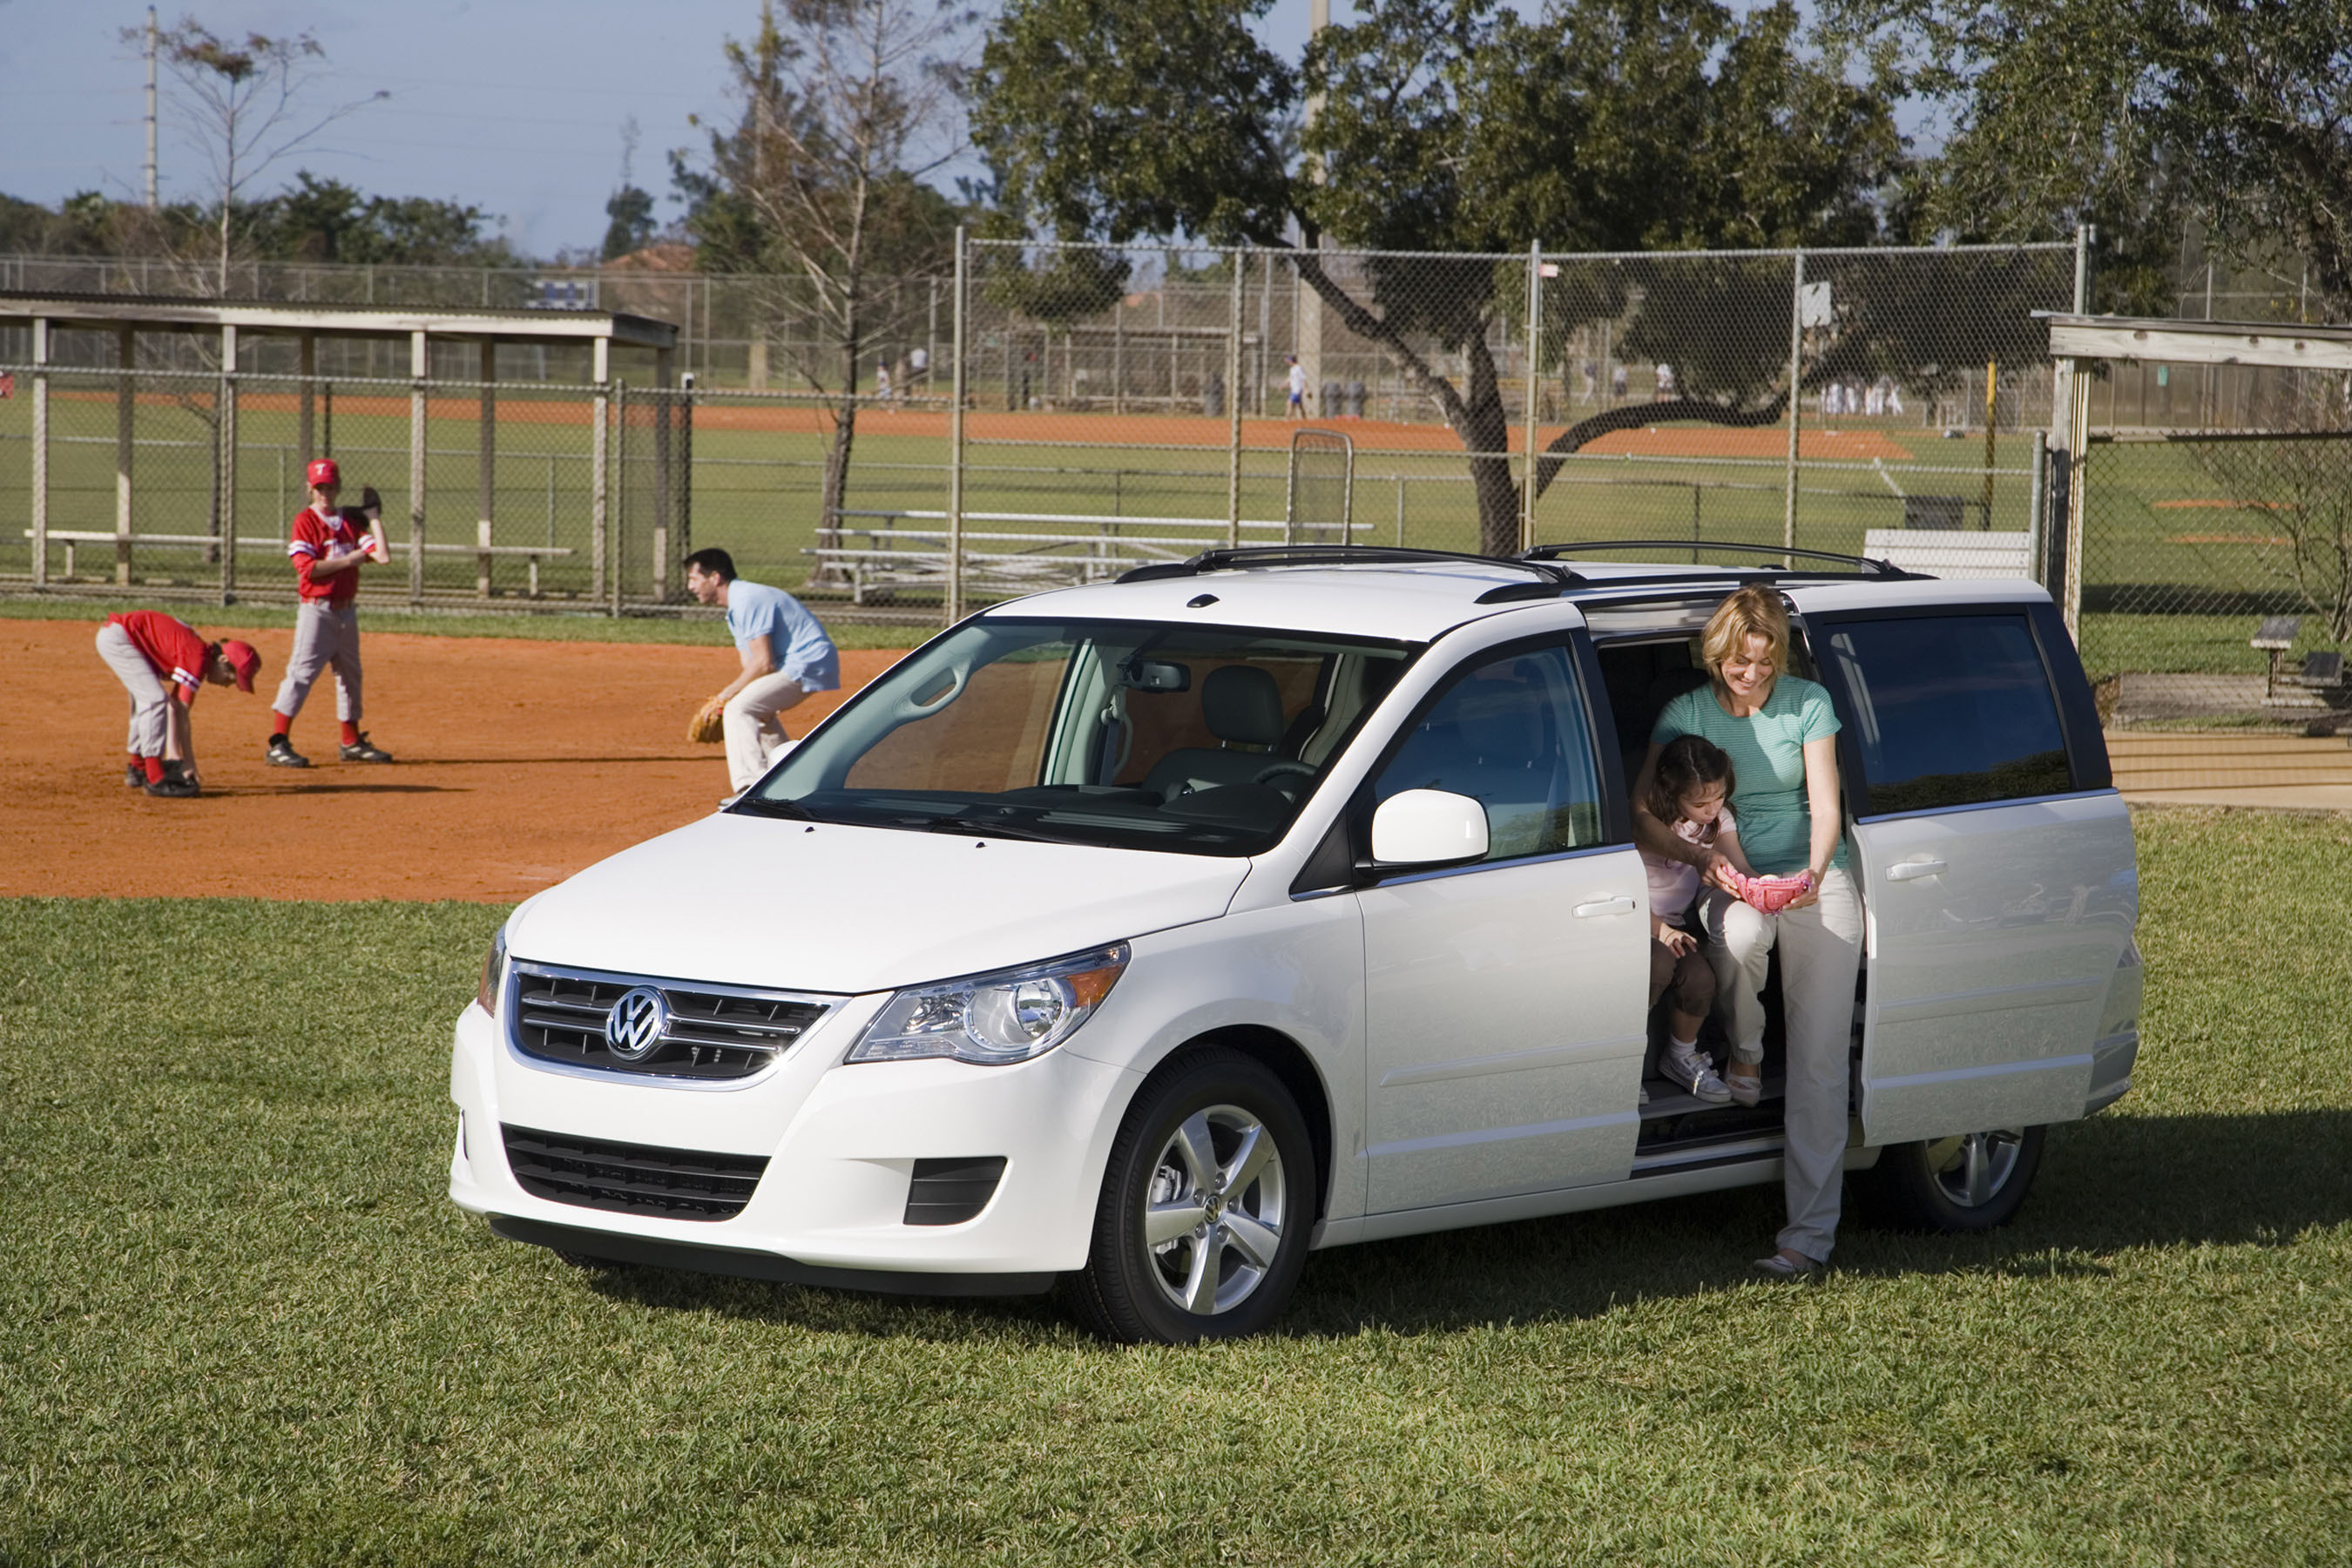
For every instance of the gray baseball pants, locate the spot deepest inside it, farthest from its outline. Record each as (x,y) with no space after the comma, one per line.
(1821,953)
(150,726)
(324,635)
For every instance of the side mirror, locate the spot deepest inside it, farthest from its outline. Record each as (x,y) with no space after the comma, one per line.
(1428,828)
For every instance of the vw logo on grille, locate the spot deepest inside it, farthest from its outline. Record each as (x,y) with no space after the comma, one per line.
(636,1024)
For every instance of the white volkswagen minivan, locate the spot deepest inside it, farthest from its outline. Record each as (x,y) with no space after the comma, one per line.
(1147,936)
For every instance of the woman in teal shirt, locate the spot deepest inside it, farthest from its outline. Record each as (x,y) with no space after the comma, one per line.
(1781,734)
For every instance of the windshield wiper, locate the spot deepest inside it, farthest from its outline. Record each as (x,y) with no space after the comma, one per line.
(755,805)
(985,826)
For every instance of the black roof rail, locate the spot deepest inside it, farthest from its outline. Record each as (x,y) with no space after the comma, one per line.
(1871,566)
(1548,579)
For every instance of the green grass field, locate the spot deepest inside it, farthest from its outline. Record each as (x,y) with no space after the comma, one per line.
(240,1324)
(2173,581)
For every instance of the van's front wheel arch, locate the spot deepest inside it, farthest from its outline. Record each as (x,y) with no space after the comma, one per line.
(1207,1203)
(1962,1184)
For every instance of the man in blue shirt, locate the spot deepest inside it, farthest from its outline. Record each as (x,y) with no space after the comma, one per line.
(785,653)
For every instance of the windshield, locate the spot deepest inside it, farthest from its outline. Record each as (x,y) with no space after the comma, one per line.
(1204,740)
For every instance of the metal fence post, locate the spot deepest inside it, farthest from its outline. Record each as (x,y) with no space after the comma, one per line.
(957,312)
(1796,373)
(1233,403)
(620,489)
(41,452)
(419,366)
(226,412)
(663,400)
(1534,327)
(599,467)
(487,463)
(126,404)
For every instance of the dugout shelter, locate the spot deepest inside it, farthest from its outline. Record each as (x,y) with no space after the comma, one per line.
(208,354)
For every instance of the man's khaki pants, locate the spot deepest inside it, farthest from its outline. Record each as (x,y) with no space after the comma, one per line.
(753,730)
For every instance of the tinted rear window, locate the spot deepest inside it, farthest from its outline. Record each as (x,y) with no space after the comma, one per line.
(1950,711)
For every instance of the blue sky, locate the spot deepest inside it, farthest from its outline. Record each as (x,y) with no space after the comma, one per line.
(515,106)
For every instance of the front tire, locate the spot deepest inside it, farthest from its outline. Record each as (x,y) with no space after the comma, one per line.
(1202,1229)
(1958,1185)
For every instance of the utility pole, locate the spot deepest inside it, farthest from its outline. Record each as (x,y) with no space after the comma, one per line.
(1307,329)
(152,202)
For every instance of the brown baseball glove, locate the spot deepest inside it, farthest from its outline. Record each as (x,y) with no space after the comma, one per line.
(707,725)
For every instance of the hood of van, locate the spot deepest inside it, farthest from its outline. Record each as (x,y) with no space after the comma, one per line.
(748,900)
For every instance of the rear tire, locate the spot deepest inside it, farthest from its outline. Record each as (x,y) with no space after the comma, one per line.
(1958,1185)
(1207,1201)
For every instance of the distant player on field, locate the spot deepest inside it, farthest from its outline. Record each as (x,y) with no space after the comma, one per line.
(786,655)
(327,545)
(161,660)
(1297,409)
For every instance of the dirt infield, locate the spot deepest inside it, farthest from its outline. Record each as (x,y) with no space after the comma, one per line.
(521,763)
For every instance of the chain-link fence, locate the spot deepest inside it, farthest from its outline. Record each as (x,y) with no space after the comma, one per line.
(2217,562)
(1110,384)
(1117,405)
(758,333)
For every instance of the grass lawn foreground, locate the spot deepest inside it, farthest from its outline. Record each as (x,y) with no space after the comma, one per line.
(240,1323)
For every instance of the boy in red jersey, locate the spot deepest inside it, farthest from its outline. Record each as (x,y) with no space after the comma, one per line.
(327,547)
(161,661)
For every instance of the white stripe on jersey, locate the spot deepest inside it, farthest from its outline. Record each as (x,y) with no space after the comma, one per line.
(301,547)
(184,678)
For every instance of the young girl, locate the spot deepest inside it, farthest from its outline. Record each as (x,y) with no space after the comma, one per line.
(1693,781)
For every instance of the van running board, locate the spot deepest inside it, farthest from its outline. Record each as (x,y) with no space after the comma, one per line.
(1675,1161)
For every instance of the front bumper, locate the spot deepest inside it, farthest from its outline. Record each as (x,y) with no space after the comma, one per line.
(841,1145)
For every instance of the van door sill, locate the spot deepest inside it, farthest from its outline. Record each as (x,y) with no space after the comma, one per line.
(1673,1162)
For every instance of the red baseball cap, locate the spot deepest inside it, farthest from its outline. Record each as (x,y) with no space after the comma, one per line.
(244,660)
(323,472)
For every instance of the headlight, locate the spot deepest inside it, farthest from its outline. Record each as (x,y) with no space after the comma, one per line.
(992,1019)
(494,969)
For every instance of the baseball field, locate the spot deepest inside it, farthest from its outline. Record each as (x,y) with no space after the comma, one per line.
(241,1325)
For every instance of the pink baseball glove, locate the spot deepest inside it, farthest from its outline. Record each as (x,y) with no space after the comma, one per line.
(1772,894)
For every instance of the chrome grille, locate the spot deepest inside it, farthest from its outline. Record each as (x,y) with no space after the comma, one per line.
(714,1033)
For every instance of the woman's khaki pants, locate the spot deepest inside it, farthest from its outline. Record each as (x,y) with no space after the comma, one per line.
(1821,953)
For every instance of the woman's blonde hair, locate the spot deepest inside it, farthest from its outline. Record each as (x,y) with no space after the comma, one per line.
(1754,611)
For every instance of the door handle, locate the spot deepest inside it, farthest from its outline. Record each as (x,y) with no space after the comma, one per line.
(1605,907)
(1911,869)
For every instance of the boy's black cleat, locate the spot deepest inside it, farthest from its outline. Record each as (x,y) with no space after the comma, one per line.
(364,750)
(172,789)
(134,776)
(282,755)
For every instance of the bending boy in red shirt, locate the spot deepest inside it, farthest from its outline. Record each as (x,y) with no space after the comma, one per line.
(161,660)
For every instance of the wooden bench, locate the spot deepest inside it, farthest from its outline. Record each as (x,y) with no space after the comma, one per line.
(72,537)
(1952,553)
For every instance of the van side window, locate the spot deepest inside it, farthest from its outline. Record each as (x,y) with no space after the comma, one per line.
(1950,711)
(1511,734)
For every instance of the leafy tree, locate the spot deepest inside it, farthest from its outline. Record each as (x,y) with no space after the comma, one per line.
(327,220)
(1443,126)
(631,211)
(2142,116)
(847,106)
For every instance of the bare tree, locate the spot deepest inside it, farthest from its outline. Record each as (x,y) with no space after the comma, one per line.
(240,106)
(849,105)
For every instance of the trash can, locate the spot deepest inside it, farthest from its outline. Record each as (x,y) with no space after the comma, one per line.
(1212,394)
(1355,400)
(1329,407)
